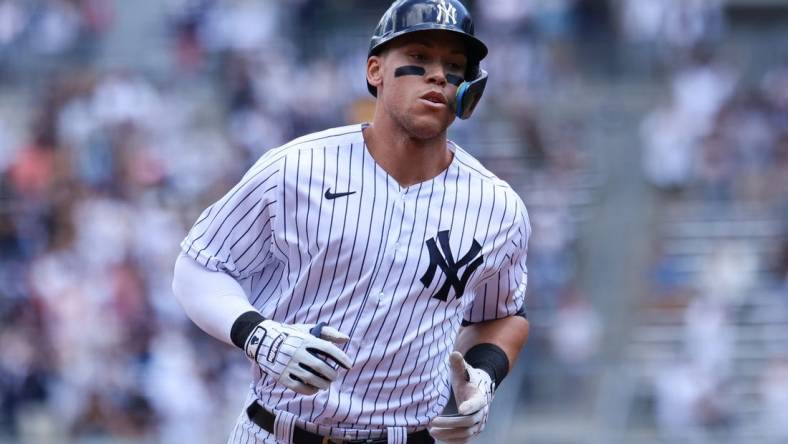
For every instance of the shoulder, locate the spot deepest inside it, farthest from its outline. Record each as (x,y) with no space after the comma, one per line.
(471,167)
(343,135)
(333,137)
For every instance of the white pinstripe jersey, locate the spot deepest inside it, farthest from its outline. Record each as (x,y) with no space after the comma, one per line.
(318,231)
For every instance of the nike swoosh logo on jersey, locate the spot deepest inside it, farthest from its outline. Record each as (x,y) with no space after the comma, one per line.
(332,196)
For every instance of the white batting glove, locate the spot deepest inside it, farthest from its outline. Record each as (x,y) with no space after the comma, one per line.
(298,359)
(473,391)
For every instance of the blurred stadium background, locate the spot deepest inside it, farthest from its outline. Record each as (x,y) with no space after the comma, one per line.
(648,138)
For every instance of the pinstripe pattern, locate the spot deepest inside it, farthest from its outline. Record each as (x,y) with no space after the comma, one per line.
(246,432)
(397,435)
(357,262)
(283,427)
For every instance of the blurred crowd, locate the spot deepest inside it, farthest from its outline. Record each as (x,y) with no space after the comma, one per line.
(670,28)
(716,148)
(51,27)
(103,177)
(720,139)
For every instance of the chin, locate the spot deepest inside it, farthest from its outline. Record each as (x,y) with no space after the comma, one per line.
(427,127)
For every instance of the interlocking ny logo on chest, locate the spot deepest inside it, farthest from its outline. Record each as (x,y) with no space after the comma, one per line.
(442,257)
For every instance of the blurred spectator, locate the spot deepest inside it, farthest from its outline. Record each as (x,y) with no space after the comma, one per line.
(176,389)
(690,403)
(548,17)
(673,135)
(576,334)
(12,21)
(679,24)
(781,270)
(694,393)
(729,273)
(709,337)
(668,144)
(24,365)
(32,172)
(679,390)
(57,27)
(552,266)
(700,90)
(774,391)
(51,27)
(503,15)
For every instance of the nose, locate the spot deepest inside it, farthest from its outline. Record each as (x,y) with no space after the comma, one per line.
(436,74)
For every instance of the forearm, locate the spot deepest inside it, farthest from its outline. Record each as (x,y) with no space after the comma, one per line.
(509,333)
(212,300)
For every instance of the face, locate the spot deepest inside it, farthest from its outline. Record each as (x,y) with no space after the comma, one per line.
(414,80)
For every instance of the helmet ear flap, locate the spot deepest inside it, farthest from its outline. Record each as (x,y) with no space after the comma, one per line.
(470,93)
(472,71)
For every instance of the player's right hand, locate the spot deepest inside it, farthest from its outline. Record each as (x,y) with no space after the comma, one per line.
(295,358)
(473,390)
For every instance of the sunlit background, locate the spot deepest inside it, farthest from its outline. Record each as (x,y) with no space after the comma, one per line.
(648,139)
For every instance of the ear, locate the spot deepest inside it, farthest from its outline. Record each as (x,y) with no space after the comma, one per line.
(375,71)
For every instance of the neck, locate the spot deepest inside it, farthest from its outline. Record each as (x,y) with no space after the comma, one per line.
(407,159)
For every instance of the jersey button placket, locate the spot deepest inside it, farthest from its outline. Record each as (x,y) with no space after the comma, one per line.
(401,246)
(397,247)
(399,251)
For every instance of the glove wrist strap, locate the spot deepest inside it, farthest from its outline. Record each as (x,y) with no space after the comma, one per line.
(243,326)
(489,358)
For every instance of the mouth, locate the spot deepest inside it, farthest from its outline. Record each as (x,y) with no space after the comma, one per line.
(434,97)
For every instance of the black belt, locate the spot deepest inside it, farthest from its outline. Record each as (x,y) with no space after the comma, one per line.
(265,419)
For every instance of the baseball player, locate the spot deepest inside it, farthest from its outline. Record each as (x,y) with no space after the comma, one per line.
(373,274)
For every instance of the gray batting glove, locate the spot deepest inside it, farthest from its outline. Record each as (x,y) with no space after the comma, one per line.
(473,391)
(295,358)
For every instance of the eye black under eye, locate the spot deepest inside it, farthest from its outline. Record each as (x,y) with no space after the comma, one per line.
(454,79)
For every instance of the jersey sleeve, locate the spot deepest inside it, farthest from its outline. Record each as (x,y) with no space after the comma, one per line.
(503,293)
(235,234)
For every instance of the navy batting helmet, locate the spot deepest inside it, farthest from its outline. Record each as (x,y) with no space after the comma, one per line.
(407,16)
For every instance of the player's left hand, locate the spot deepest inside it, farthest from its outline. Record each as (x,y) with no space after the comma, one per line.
(473,391)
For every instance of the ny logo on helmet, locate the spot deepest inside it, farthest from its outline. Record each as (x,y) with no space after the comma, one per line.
(446,13)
